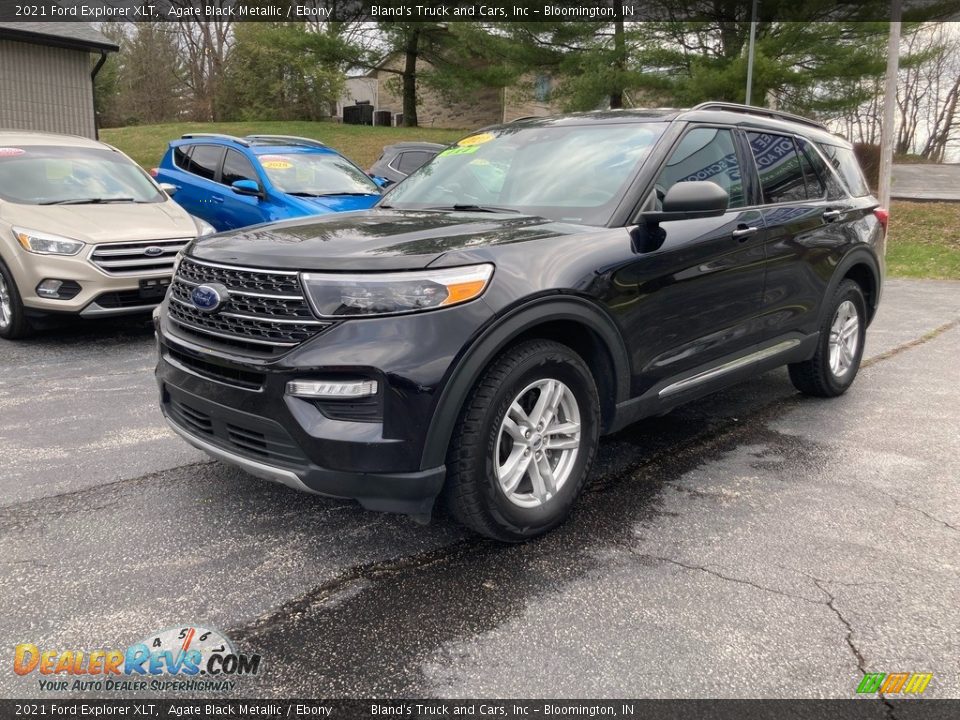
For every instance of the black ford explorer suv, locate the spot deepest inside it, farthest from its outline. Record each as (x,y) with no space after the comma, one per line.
(535,286)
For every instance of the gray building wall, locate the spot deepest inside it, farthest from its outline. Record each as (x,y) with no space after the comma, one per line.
(45,88)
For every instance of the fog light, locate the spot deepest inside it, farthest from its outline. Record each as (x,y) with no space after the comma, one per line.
(332,388)
(58,289)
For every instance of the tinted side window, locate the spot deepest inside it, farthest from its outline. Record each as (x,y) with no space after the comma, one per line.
(847,166)
(781,177)
(815,160)
(181,156)
(237,167)
(816,189)
(204,160)
(704,154)
(410,161)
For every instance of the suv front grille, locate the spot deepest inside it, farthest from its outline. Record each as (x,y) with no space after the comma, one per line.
(131,258)
(265,310)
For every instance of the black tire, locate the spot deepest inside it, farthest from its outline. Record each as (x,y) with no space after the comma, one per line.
(815,376)
(472,493)
(17,325)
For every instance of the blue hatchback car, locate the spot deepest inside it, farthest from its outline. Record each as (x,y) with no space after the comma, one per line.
(233,182)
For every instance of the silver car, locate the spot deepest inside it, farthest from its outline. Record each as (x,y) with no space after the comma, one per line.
(83,231)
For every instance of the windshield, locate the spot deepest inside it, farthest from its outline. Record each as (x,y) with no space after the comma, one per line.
(316,174)
(573,173)
(41,174)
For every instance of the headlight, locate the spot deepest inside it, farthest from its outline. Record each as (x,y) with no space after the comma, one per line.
(203,227)
(337,294)
(46,244)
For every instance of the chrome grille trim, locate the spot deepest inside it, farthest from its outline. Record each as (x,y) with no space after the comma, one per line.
(251,294)
(128,258)
(242,316)
(265,308)
(242,268)
(228,336)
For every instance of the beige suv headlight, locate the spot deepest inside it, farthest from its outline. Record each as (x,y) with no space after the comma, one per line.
(43,243)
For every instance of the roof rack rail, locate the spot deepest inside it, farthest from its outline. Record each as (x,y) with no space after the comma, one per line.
(762,112)
(288,140)
(219,136)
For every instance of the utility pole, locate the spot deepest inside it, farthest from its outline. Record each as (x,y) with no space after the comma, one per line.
(751,49)
(889,104)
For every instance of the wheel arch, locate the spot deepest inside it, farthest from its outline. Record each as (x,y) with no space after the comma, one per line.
(862,266)
(571,321)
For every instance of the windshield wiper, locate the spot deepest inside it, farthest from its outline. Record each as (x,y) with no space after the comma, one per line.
(329,194)
(89,201)
(476,208)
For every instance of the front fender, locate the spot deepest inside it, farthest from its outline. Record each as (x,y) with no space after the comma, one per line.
(512,325)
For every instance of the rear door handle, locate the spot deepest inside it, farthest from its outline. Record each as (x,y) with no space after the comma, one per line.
(831,215)
(745,231)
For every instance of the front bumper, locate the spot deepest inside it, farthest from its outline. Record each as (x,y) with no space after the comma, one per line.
(100,295)
(263,449)
(234,406)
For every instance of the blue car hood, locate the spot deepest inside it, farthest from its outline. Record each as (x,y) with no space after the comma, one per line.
(340,203)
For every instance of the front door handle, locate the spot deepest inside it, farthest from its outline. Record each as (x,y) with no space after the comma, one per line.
(831,215)
(216,199)
(745,231)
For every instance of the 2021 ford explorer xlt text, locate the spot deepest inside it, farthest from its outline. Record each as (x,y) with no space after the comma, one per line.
(535,286)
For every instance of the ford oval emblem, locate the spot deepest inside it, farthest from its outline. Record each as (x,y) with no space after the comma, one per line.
(207,298)
(153,251)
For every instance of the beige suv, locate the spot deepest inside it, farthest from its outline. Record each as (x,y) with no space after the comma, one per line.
(83,231)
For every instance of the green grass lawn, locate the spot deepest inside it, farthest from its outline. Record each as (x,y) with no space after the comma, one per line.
(361,143)
(924,240)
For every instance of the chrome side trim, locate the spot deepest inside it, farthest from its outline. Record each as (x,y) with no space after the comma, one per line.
(258,469)
(727,367)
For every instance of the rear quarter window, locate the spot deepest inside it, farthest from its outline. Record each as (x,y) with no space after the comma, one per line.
(181,156)
(846,165)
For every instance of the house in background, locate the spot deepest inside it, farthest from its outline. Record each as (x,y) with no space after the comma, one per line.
(379,88)
(46,76)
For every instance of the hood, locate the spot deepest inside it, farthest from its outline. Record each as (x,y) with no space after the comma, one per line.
(372,240)
(340,203)
(104,223)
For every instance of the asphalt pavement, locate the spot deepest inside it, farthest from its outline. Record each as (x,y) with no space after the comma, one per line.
(752,544)
(926,182)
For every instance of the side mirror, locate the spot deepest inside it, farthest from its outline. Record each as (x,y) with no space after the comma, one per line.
(689,201)
(169,188)
(381,182)
(247,187)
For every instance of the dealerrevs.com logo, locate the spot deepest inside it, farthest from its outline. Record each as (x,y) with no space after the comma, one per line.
(187,659)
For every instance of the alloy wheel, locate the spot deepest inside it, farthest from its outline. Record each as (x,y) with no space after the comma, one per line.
(6,308)
(538,443)
(844,338)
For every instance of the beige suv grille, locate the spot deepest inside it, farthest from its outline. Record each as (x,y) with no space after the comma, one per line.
(137,258)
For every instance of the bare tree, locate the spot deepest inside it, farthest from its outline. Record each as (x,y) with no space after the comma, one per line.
(205,44)
(928,93)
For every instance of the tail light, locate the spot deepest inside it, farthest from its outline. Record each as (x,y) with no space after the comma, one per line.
(154,172)
(883,215)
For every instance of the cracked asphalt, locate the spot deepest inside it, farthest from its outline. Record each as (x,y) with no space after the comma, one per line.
(752,544)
